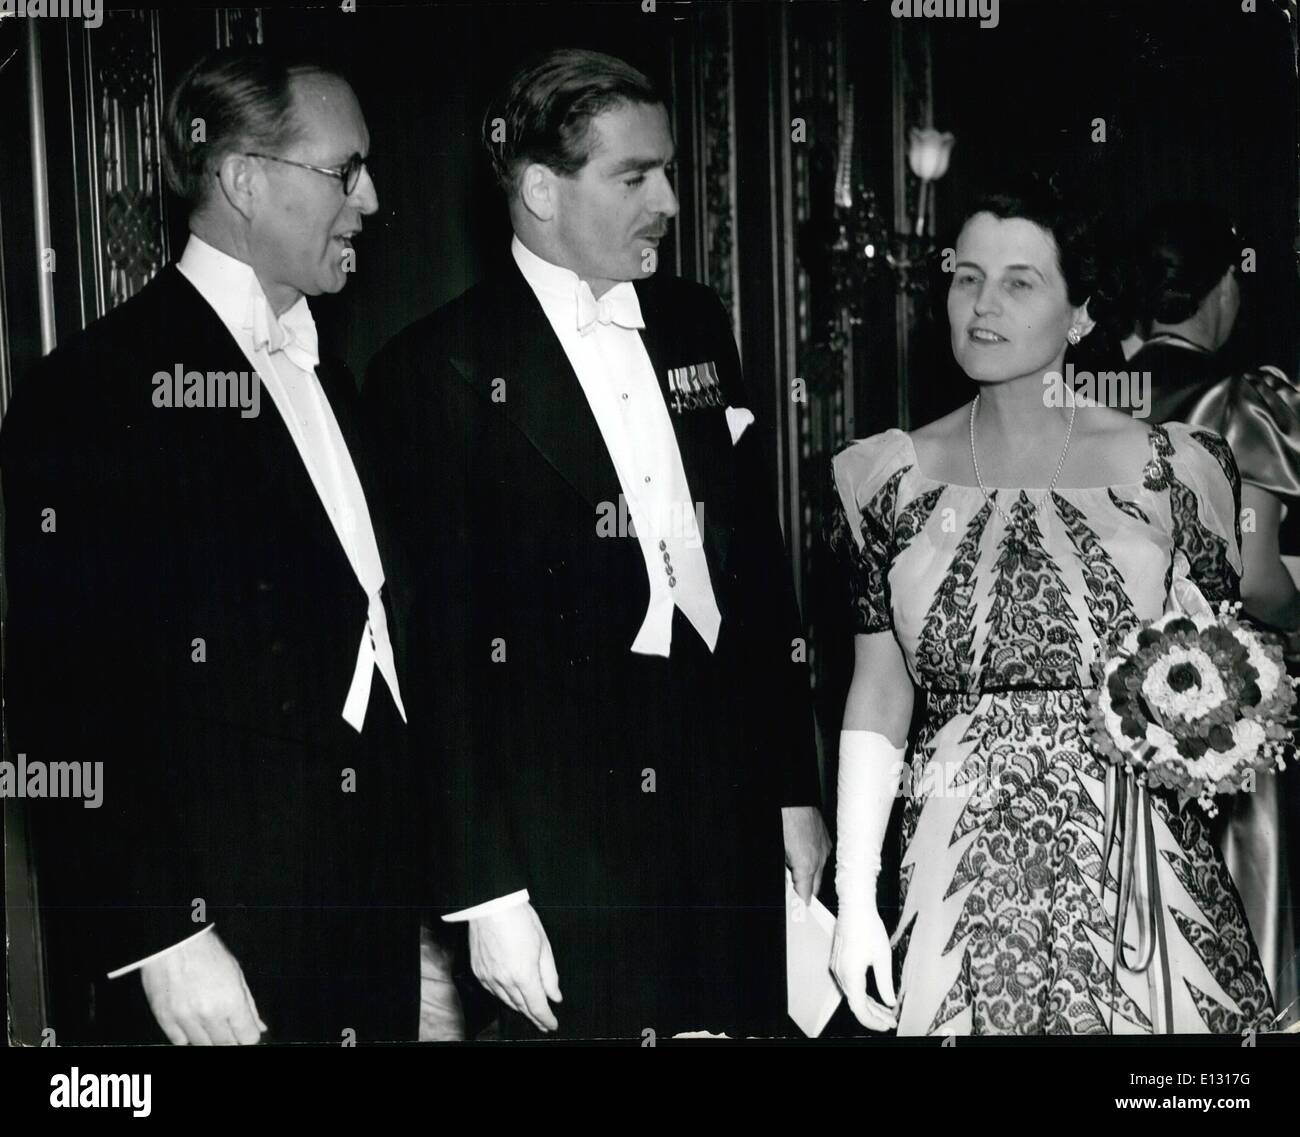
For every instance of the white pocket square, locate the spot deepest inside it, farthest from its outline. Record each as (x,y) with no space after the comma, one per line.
(738,420)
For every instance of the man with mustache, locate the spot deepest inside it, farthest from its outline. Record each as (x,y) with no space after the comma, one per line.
(196,596)
(595,596)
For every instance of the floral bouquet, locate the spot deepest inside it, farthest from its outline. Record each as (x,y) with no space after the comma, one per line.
(1194,703)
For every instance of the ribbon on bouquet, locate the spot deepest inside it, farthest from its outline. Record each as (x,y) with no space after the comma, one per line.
(1128,822)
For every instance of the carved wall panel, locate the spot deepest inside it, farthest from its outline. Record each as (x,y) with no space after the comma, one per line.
(116,92)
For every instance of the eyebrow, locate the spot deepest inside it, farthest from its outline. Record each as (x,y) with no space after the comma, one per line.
(345,159)
(1027,268)
(640,165)
(1010,268)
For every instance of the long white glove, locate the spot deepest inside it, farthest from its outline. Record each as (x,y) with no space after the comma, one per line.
(870,771)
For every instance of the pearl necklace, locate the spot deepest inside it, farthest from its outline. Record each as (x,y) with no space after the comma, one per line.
(1060,465)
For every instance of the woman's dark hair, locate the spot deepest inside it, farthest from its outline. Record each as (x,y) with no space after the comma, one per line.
(544,113)
(1038,198)
(235,99)
(1181,252)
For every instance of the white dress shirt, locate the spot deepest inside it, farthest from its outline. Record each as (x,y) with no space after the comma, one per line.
(283,354)
(601,341)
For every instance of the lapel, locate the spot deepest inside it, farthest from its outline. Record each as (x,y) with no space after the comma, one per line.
(672,339)
(510,338)
(259,450)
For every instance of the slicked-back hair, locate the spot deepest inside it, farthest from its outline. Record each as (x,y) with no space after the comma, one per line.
(244,100)
(544,113)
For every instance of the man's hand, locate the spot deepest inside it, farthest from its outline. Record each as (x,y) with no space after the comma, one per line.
(511,956)
(807,847)
(198,995)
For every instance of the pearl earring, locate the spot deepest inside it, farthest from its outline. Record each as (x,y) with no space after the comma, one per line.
(1073,336)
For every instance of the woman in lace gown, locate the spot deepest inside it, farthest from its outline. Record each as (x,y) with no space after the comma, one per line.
(993,601)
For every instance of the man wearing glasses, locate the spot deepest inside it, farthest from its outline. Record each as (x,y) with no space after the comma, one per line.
(197,600)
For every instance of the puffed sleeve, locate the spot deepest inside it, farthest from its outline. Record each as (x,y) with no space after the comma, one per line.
(1258,413)
(1205,507)
(860,527)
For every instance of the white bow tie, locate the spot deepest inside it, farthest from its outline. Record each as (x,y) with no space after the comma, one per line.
(294,333)
(618,306)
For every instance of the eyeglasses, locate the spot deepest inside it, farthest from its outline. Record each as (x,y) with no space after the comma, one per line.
(349,174)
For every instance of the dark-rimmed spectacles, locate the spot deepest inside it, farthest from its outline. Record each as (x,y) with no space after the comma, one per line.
(349,173)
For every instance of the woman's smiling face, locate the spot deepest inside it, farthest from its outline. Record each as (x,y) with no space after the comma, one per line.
(1008,306)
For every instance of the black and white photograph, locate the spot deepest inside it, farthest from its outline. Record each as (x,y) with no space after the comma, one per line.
(636,523)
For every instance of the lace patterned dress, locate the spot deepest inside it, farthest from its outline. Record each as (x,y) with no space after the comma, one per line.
(1008,912)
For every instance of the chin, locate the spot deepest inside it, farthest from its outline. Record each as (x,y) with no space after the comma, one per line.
(335,282)
(982,370)
(638,259)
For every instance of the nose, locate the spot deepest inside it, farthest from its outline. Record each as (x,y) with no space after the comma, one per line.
(665,201)
(988,300)
(364,195)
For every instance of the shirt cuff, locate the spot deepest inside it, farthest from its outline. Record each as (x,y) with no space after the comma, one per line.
(501,903)
(159,954)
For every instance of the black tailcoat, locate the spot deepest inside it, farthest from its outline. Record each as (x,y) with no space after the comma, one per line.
(637,798)
(192,621)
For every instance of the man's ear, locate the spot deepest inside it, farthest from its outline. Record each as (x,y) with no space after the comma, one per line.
(1084,322)
(537,191)
(239,179)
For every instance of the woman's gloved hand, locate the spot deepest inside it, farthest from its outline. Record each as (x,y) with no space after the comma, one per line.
(870,772)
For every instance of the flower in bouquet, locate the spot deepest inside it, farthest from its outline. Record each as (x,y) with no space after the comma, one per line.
(1195,704)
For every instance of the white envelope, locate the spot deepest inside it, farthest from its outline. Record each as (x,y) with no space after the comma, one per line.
(811,991)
